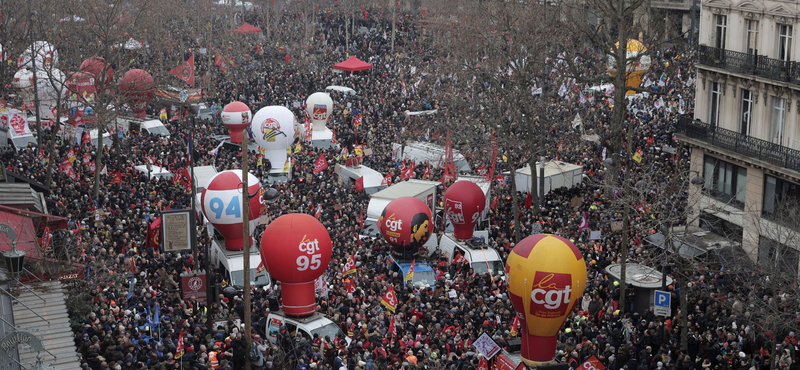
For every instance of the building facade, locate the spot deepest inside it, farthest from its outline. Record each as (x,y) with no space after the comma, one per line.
(745,131)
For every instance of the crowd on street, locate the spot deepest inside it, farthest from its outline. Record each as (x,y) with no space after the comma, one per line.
(120,330)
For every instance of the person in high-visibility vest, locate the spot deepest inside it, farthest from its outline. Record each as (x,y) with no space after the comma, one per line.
(212,358)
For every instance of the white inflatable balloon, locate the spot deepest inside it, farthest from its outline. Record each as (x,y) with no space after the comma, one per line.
(273,129)
(49,84)
(319,107)
(46,56)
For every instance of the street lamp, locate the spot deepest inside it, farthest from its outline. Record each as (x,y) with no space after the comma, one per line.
(15,258)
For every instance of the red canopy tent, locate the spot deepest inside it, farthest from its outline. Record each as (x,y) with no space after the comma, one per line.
(247,28)
(352,64)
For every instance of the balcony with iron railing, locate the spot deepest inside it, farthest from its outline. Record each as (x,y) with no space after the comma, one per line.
(759,65)
(736,142)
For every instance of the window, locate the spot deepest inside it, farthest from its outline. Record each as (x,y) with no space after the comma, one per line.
(721,29)
(747,111)
(781,199)
(751,37)
(725,181)
(716,97)
(777,118)
(784,42)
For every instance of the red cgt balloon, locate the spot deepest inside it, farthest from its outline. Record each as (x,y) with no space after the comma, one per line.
(406,224)
(296,249)
(463,202)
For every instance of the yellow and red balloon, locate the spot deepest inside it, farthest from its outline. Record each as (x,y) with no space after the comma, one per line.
(546,278)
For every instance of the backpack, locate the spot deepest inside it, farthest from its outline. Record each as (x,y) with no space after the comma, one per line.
(255,354)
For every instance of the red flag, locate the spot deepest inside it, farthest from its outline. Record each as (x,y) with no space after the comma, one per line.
(392,327)
(361,219)
(358,120)
(514,325)
(409,172)
(494,204)
(220,62)
(321,164)
(318,213)
(179,349)
(360,184)
(117,178)
(350,266)
(133,265)
(350,286)
(529,201)
(591,364)
(87,139)
(185,71)
(584,223)
(482,364)
(427,173)
(389,299)
(460,259)
(87,157)
(449,165)
(387,180)
(154,234)
(185,179)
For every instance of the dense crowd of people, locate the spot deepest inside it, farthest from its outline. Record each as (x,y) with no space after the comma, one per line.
(129,280)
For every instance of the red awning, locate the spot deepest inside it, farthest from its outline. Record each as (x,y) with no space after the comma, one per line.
(247,28)
(27,240)
(352,64)
(40,220)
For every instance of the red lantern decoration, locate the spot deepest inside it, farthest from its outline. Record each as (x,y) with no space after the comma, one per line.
(137,86)
(463,203)
(236,117)
(296,249)
(406,223)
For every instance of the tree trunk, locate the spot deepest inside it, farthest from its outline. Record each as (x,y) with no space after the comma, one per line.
(684,305)
(535,202)
(515,206)
(98,163)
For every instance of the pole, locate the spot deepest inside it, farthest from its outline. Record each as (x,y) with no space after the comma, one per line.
(541,181)
(194,194)
(246,248)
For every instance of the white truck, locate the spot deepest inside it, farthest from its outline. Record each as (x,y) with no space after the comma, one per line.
(421,152)
(557,174)
(15,131)
(420,189)
(476,252)
(231,266)
(372,178)
(149,125)
(306,326)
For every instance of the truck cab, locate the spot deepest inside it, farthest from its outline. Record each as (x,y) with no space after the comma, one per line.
(306,326)
(423,273)
(480,256)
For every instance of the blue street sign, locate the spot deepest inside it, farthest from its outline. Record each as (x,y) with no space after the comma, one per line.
(661,303)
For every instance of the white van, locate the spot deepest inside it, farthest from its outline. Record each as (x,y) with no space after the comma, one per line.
(372,178)
(155,127)
(306,326)
(231,266)
(155,172)
(480,256)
